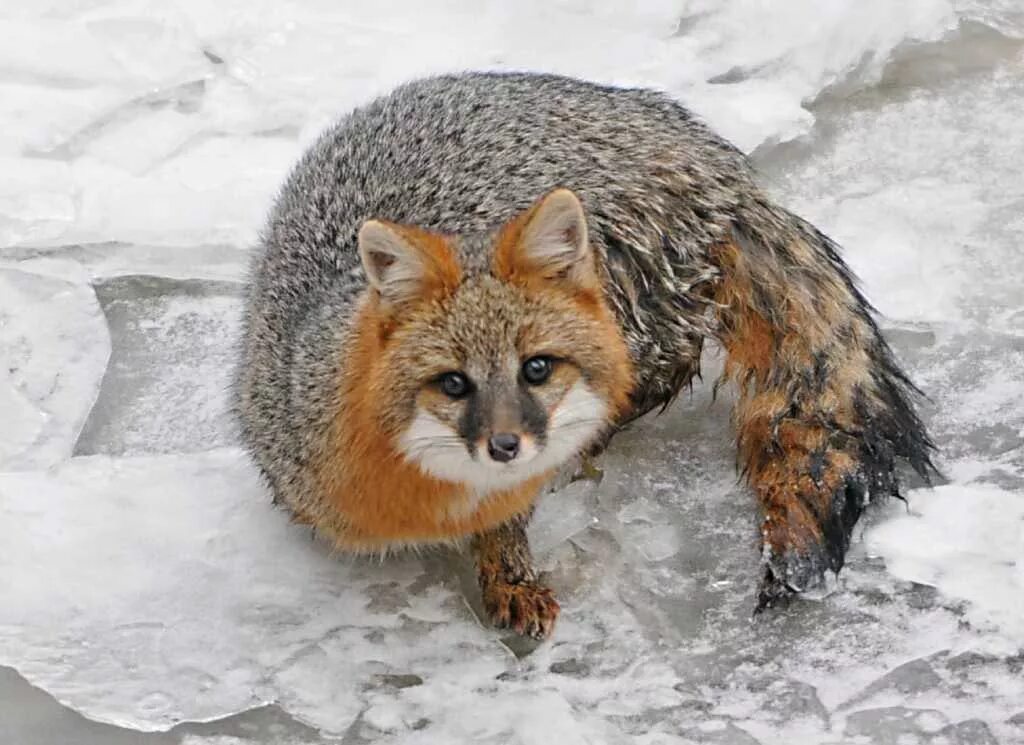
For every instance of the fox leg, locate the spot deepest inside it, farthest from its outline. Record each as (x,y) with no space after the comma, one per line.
(512,595)
(823,410)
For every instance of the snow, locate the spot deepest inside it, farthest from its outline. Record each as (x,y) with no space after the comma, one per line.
(146,580)
(966,542)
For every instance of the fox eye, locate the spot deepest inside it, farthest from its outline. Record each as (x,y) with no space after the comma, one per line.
(537,370)
(454,384)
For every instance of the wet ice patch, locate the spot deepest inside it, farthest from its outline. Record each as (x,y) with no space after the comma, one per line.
(167,388)
(967,541)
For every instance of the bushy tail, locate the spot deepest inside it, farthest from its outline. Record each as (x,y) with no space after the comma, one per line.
(824,412)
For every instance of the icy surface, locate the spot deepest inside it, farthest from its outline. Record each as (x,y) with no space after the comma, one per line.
(972,554)
(54,346)
(148,585)
(173,354)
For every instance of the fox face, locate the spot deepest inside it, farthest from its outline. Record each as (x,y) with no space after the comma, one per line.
(506,397)
(497,361)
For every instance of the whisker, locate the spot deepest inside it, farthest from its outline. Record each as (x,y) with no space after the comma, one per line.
(578,423)
(574,410)
(435,438)
(434,445)
(415,452)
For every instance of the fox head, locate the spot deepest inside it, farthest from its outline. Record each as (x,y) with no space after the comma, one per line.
(492,359)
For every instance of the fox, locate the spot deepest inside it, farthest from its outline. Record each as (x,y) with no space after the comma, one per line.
(476,278)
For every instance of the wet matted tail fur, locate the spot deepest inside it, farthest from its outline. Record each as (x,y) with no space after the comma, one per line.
(824,411)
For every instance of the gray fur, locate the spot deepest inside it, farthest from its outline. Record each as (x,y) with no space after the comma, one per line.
(463,154)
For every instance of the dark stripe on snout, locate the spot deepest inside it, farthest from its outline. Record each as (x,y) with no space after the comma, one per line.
(476,420)
(472,421)
(534,417)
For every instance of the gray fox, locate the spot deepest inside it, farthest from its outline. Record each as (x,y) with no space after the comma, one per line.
(473,279)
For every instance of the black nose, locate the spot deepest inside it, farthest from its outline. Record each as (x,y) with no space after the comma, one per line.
(503,447)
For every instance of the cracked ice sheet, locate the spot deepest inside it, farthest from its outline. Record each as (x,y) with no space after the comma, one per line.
(167,588)
(654,568)
(211,573)
(160,96)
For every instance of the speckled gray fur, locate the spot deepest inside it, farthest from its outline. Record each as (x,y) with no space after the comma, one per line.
(463,154)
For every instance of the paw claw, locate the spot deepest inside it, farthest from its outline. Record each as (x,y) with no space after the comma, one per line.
(527,608)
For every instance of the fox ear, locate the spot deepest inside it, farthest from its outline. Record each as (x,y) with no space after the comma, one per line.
(404,263)
(550,241)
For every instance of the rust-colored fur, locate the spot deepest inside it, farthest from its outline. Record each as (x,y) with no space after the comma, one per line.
(377,499)
(512,596)
(786,439)
(442,276)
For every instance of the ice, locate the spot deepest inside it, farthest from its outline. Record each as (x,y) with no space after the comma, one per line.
(60,76)
(37,200)
(192,545)
(231,608)
(280,70)
(910,218)
(54,345)
(150,591)
(166,387)
(141,143)
(100,262)
(214,191)
(755,81)
(563,514)
(139,42)
(40,119)
(966,541)
(31,715)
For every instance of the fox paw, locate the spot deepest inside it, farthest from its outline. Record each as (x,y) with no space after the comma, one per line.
(526,608)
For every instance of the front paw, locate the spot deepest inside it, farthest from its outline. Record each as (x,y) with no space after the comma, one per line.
(528,608)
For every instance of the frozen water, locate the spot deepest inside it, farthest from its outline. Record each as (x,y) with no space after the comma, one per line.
(277,71)
(966,542)
(37,201)
(165,387)
(31,715)
(152,594)
(191,544)
(51,370)
(873,177)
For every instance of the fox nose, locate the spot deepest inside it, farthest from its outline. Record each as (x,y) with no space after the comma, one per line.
(503,446)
